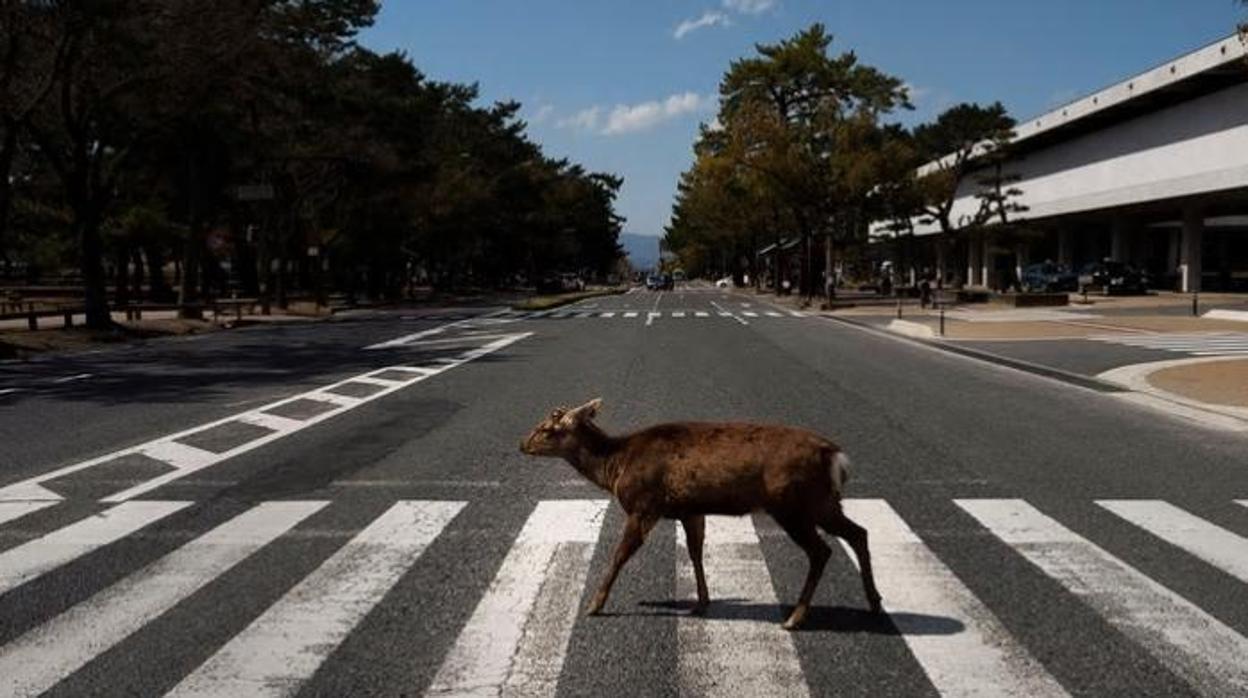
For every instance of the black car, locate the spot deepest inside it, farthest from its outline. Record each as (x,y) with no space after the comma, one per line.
(1048,277)
(1112,278)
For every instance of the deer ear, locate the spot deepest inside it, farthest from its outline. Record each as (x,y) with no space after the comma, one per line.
(585,412)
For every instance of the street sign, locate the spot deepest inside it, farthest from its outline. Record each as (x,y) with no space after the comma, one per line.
(254,192)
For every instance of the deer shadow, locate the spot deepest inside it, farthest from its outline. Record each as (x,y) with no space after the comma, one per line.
(840,619)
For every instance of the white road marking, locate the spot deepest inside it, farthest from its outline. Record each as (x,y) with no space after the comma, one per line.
(749,313)
(71,379)
(650,318)
(585,315)
(729,653)
(1215,545)
(702,313)
(982,659)
(772,313)
(11,511)
(1192,643)
(185,460)
(517,638)
(283,647)
(723,312)
(36,661)
(33,558)
(9,391)
(630,314)
(608,315)
(678,313)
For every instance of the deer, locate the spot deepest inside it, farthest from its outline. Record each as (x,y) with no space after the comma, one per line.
(688,470)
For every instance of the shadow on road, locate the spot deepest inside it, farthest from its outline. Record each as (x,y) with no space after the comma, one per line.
(841,619)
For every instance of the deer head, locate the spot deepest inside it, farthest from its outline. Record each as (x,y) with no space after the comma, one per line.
(556,435)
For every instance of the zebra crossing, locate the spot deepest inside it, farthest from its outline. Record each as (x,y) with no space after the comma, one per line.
(619,314)
(1196,343)
(515,637)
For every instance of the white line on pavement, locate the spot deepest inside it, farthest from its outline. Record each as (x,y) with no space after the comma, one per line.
(1215,545)
(39,659)
(982,659)
(730,653)
(749,313)
(71,379)
(608,314)
(650,318)
(283,647)
(630,314)
(723,312)
(1193,644)
(516,639)
(186,459)
(33,558)
(11,511)
(702,313)
(7,391)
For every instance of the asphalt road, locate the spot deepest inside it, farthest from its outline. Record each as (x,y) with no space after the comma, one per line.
(285,510)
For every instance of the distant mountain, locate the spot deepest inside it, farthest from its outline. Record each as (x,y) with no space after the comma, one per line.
(642,250)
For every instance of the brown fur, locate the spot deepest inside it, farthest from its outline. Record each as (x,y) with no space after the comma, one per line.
(687,470)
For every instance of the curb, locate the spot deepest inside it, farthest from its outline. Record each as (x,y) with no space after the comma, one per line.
(1058,374)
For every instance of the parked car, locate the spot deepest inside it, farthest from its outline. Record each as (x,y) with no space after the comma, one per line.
(725,282)
(1112,278)
(1048,277)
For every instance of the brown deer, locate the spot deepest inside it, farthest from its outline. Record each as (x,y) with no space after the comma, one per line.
(686,470)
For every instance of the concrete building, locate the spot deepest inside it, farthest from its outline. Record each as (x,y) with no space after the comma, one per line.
(1152,171)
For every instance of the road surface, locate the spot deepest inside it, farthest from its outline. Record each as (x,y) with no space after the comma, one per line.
(340,508)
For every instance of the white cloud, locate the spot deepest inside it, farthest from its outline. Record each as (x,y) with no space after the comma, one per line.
(625,118)
(749,7)
(710,18)
(542,115)
(583,120)
(917,94)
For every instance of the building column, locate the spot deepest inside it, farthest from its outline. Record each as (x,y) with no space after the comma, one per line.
(1172,252)
(1189,250)
(973,250)
(1065,248)
(985,261)
(1020,261)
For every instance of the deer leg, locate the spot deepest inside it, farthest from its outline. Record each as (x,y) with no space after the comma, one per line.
(837,524)
(695,530)
(804,534)
(635,530)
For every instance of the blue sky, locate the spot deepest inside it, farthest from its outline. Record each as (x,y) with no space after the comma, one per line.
(621,85)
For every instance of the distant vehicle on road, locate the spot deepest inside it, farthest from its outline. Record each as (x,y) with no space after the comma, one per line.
(1048,277)
(725,282)
(659,282)
(1112,278)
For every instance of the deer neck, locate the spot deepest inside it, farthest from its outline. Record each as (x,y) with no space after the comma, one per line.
(593,456)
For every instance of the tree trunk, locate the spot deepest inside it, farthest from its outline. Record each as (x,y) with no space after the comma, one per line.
(95,295)
(121,279)
(7,152)
(188,291)
(156,287)
(137,256)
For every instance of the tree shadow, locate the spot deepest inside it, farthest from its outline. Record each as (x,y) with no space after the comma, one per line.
(840,619)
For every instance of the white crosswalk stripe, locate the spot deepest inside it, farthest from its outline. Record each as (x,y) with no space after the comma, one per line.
(515,641)
(1192,643)
(282,648)
(514,638)
(728,651)
(1217,546)
(1198,343)
(982,659)
(36,661)
(11,511)
(25,562)
(652,315)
